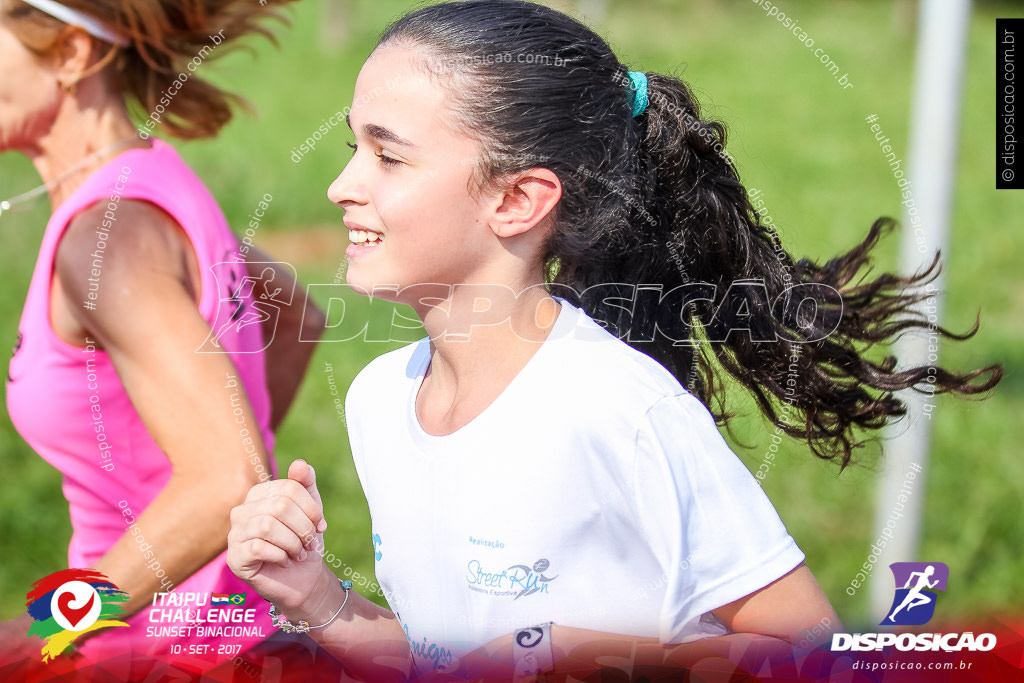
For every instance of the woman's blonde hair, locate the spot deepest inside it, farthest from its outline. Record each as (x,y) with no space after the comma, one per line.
(164,37)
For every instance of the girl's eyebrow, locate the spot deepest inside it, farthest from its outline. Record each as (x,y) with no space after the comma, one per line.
(381,133)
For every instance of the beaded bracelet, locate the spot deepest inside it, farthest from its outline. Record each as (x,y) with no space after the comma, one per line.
(281,621)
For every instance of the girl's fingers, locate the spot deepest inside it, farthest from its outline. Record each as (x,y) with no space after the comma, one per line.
(302,472)
(293,514)
(246,556)
(260,551)
(274,532)
(287,489)
(266,489)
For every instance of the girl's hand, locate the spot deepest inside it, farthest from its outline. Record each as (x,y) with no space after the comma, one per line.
(276,540)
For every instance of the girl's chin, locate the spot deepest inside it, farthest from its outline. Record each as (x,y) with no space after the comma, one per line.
(363,281)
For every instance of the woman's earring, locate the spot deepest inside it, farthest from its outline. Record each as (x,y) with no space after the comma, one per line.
(69,88)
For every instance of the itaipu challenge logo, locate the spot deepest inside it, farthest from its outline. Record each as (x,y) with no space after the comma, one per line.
(71,602)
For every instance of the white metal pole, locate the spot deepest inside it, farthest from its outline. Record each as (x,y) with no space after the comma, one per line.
(934,128)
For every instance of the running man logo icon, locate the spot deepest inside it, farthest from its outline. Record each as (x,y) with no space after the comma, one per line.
(914,602)
(245,301)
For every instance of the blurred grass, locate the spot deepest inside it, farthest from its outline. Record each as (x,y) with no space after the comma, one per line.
(796,135)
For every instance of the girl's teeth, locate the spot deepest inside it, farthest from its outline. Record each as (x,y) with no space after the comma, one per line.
(363,237)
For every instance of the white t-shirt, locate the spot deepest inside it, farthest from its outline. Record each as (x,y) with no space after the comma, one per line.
(594,492)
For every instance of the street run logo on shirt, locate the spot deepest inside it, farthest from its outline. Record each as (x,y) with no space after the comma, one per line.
(913,604)
(68,603)
(516,581)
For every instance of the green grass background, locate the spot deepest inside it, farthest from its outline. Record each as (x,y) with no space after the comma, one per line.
(796,135)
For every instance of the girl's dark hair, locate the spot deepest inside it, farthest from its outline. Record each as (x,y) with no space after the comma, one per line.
(655,200)
(165,36)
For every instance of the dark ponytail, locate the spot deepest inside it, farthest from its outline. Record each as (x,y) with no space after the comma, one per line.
(656,238)
(787,331)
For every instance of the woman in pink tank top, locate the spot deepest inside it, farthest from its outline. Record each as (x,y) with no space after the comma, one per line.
(147,368)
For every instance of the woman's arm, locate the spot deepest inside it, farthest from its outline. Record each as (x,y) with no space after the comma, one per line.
(290,336)
(145,318)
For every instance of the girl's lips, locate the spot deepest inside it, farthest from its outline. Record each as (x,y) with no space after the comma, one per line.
(362,241)
(354,249)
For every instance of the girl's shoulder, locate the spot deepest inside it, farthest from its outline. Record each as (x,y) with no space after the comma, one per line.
(601,374)
(389,371)
(590,350)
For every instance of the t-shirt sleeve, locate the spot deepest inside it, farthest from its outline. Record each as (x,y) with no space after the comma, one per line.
(708,522)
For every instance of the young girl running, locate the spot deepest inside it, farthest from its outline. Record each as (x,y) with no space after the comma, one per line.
(544,473)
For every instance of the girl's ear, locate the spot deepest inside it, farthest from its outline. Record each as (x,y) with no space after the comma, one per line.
(527,198)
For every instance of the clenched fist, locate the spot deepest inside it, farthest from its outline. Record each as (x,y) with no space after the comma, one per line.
(276,540)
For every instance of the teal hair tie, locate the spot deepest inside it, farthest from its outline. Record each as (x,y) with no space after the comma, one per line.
(639,87)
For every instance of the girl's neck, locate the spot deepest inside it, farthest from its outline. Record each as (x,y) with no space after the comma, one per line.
(481,337)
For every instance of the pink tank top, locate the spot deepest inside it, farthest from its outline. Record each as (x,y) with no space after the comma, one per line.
(69,405)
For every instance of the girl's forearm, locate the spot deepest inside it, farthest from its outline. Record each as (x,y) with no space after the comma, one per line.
(578,652)
(367,638)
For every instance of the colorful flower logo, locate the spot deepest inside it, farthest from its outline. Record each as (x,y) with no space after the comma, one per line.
(71,602)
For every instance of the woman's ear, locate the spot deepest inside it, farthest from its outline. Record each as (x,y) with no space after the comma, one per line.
(73,55)
(525,200)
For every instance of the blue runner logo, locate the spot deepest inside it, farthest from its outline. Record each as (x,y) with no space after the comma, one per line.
(916,583)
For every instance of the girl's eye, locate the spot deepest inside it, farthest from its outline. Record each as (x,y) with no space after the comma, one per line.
(384,159)
(388,161)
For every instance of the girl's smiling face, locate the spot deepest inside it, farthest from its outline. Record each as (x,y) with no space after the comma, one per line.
(411,214)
